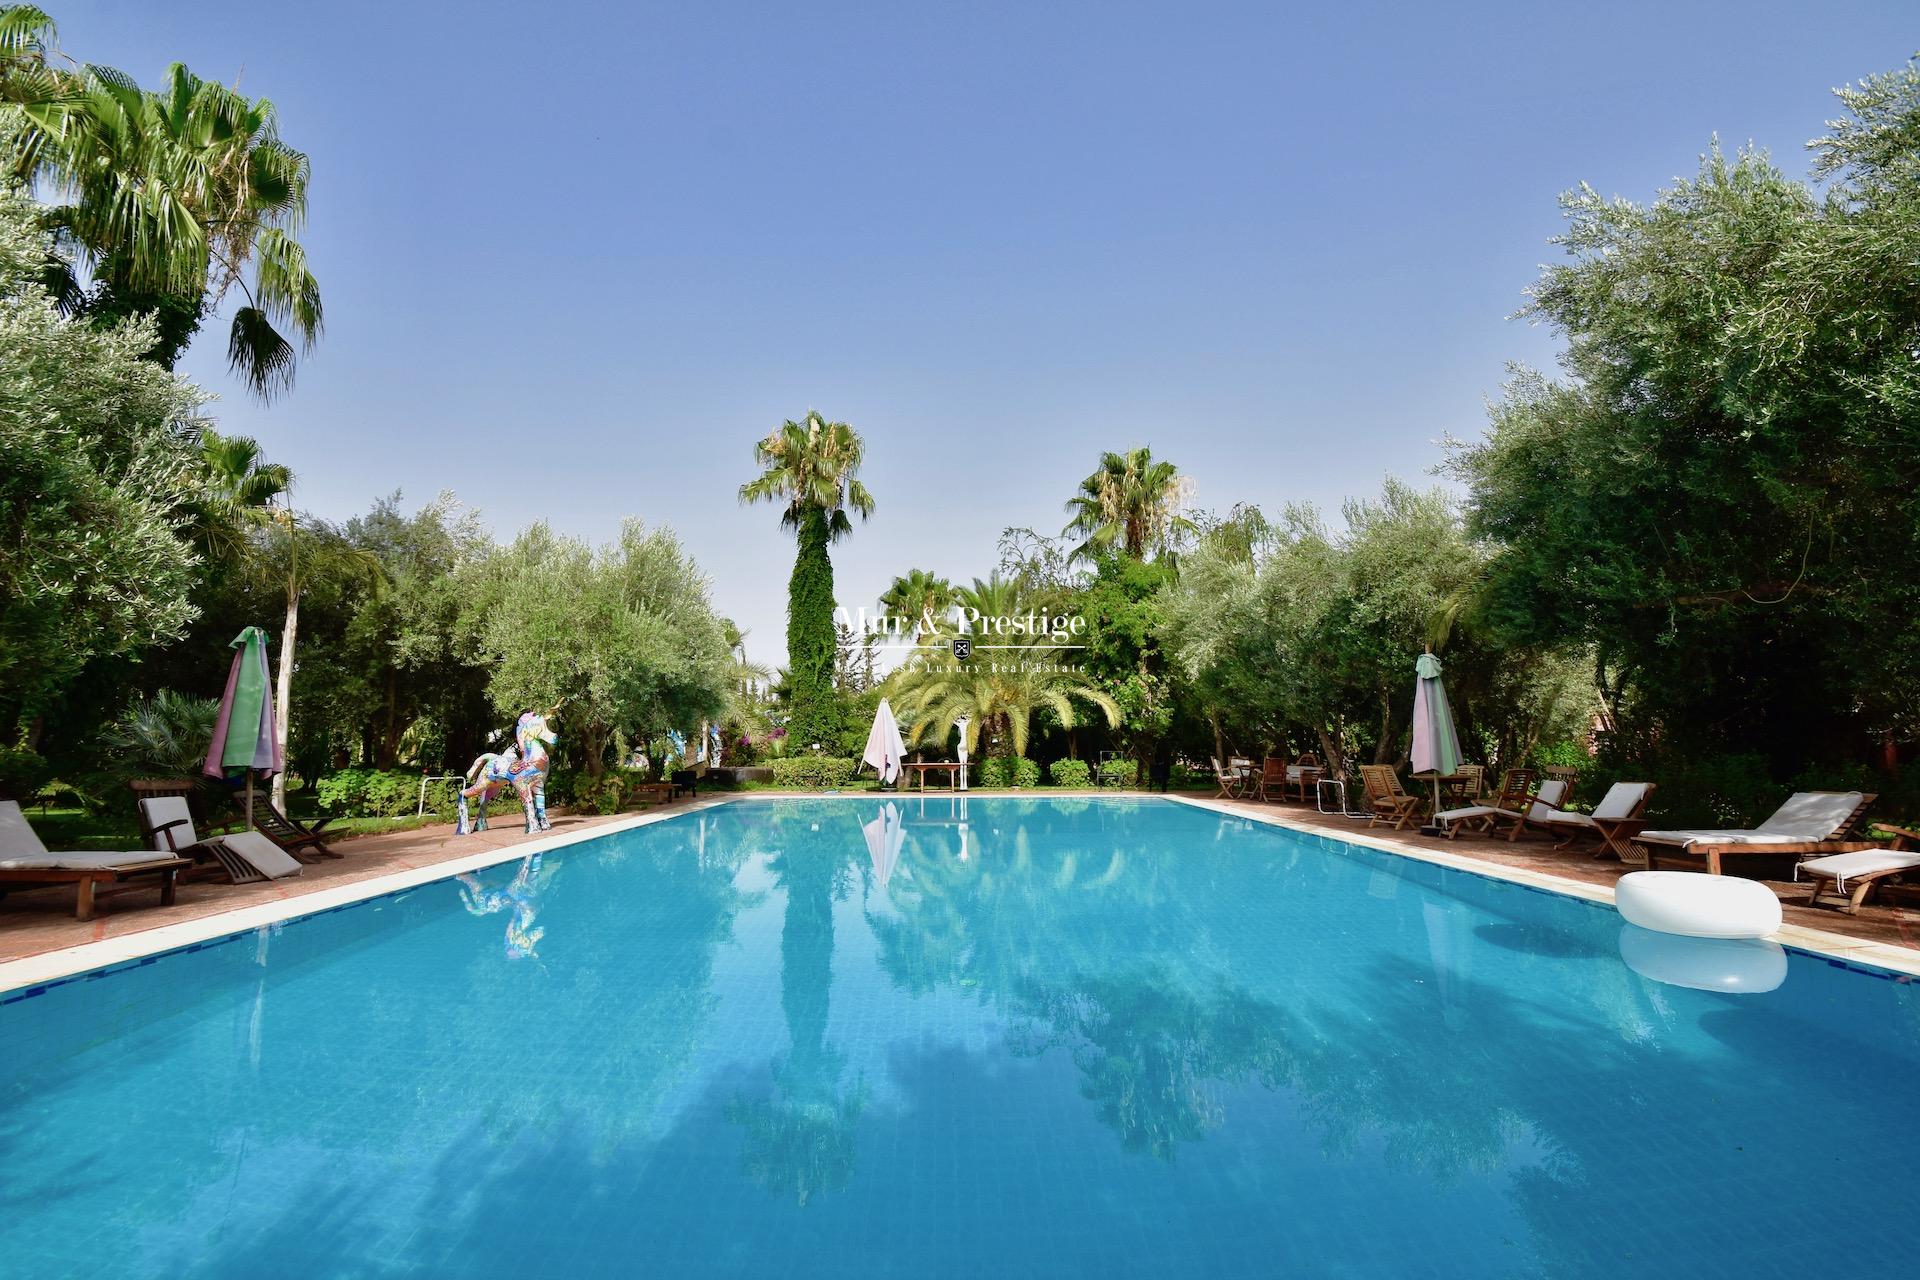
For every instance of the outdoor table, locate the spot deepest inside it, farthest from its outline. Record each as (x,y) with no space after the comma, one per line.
(953,768)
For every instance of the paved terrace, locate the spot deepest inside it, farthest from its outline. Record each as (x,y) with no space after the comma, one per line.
(34,922)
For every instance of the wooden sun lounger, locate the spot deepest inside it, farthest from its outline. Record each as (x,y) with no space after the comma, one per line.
(1716,854)
(1512,802)
(162,867)
(290,835)
(26,863)
(1854,879)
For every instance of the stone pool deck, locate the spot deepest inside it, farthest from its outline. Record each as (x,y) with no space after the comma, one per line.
(40,921)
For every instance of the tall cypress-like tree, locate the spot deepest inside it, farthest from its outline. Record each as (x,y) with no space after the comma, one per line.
(813,467)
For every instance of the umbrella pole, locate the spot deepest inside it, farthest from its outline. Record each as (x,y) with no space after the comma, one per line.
(249,799)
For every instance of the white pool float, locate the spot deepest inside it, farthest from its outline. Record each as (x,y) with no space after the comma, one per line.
(1742,966)
(1696,905)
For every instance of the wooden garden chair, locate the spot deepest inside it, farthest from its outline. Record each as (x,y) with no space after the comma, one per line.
(1549,801)
(1229,784)
(1615,821)
(1273,778)
(1386,798)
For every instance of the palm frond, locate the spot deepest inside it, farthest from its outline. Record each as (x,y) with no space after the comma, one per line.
(258,353)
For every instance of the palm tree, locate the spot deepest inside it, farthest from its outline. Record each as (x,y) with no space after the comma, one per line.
(998,692)
(919,595)
(172,198)
(1130,502)
(233,491)
(811,466)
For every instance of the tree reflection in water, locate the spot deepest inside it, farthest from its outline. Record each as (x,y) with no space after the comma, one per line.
(798,1140)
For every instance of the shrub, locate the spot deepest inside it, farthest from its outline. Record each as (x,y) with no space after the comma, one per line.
(812,771)
(602,795)
(378,793)
(22,773)
(1117,772)
(1732,790)
(1009,771)
(1070,773)
(164,735)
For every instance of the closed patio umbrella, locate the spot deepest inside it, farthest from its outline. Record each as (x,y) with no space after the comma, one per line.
(886,752)
(243,736)
(1436,746)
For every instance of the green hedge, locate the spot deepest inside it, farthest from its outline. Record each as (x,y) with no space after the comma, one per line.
(1009,771)
(1070,773)
(1117,772)
(395,793)
(812,771)
(378,793)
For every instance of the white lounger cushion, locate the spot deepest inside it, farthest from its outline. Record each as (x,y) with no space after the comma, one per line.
(1807,816)
(1472,811)
(81,861)
(1866,862)
(1547,801)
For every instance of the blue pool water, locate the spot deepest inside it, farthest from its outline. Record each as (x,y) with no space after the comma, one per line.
(1071,1037)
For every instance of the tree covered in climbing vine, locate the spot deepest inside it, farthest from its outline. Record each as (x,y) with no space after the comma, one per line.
(812,467)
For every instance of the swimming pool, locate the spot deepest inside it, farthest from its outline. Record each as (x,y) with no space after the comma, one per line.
(1001,1037)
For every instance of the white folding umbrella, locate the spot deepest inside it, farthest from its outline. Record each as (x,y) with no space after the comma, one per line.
(885,750)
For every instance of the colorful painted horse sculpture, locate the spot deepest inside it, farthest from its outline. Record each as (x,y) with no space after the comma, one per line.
(489,775)
(533,736)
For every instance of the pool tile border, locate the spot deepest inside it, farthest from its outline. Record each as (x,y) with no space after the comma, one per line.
(1878,959)
(29,975)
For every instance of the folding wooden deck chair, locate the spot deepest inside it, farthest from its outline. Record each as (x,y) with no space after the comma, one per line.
(1615,821)
(1549,800)
(1386,798)
(1230,782)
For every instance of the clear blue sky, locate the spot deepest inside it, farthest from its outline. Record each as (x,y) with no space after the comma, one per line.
(577,257)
